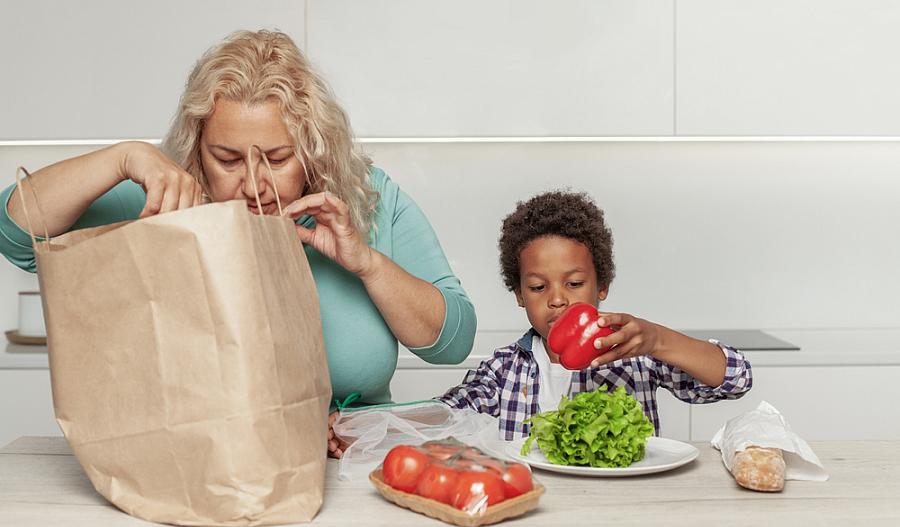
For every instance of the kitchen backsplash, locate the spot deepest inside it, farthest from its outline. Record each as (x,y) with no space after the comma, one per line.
(708,234)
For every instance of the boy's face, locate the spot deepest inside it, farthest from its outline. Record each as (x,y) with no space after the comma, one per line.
(555,272)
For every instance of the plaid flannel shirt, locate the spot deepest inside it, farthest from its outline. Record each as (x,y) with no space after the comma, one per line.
(507,384)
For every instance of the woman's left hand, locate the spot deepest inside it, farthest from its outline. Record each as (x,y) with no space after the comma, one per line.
(633,337)
(336,445)
(334,235)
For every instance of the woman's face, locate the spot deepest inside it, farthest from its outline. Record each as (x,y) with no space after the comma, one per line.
(227,135)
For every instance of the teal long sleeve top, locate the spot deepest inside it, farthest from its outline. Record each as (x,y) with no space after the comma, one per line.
(362,350)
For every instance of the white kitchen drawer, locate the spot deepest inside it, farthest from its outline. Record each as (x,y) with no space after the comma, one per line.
(26,405)
(674,416)
(819,402)
(417,384)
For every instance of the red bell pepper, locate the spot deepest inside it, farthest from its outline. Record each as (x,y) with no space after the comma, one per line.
(573,334)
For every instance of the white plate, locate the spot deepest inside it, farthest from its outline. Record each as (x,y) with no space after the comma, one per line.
(660,455)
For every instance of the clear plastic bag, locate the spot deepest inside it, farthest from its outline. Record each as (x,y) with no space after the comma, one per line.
(371,432)
(766,427)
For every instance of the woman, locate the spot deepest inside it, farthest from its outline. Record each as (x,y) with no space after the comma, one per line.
(379,269)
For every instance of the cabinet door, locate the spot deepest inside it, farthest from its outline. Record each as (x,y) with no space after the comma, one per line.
(26,405)
(674,416)
(818,402)
(425,383)
(823,67)
(113,69)
(407,68)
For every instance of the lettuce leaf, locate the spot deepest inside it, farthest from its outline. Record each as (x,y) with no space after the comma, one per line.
(596,429)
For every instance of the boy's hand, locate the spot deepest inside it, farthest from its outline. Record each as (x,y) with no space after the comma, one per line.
(636,336)
(336,446)
(633,337)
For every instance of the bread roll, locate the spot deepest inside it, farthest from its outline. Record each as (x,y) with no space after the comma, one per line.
(758,468)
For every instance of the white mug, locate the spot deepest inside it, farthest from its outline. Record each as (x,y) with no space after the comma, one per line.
(31,315)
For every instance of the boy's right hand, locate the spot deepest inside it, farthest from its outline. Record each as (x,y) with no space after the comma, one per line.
(633,337)
(168,186)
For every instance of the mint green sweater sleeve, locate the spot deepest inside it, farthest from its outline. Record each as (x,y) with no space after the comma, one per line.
(123,202)
(415,248)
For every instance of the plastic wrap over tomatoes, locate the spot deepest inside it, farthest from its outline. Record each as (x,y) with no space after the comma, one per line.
(456,474)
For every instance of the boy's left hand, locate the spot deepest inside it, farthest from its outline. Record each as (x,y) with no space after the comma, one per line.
(633,337)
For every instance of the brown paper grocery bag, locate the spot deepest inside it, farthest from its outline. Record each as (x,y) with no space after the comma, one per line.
(188,367)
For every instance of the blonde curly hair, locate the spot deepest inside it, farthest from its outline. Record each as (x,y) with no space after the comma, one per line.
(252,67)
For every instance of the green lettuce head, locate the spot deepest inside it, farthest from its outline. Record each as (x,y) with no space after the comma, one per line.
(596,429)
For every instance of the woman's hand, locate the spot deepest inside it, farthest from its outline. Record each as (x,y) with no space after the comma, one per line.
(633,337)
(167,185)
(334,235)
(413,308)
(72,185)
(336,445)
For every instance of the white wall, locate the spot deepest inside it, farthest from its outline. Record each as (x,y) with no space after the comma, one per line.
(727,234)
(707,235)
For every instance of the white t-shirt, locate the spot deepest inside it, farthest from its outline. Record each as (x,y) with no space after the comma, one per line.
(555,381)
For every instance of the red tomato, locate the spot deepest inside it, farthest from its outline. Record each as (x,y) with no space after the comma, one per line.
(490,463)
(437,483)
(466,464)
(402,467)
(516,480)
(475,491)
(472,453)
(441,450)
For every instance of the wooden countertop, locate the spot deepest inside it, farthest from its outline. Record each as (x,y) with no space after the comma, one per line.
(42,484)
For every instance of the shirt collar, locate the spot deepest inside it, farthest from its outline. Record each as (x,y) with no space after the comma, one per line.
(524,343)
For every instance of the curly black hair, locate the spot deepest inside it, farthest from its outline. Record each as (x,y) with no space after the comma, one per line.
(570,215)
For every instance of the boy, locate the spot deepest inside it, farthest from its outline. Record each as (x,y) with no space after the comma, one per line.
(555,250)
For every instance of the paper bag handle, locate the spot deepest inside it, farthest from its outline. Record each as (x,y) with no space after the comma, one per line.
(21,189)
(252,168)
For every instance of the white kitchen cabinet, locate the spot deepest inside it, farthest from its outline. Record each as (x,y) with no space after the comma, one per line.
(414,68)
(110,69)
(419,384)
(803,67)
(674,416)
(818,402)
(26,405)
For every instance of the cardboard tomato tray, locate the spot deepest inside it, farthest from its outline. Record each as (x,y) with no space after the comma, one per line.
(496,513)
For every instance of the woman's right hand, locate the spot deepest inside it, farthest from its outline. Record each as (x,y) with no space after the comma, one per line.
(168,186)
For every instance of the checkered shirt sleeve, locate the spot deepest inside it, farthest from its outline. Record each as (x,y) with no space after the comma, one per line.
(479,390)
(738,379)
